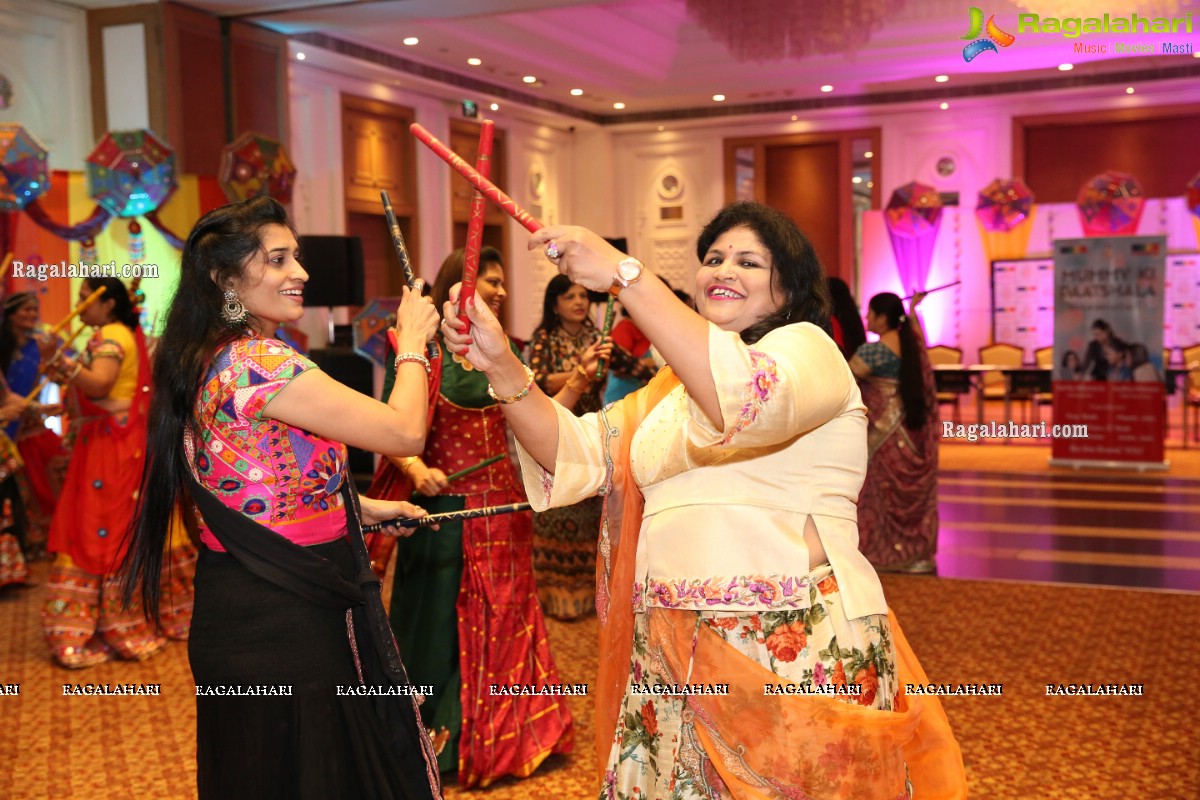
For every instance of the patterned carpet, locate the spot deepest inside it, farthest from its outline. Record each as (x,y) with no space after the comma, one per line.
(1020,746)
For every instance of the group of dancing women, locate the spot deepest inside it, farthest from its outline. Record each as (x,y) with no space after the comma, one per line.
(710,518)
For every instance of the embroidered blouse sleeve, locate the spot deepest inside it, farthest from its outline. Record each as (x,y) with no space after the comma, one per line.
(115,341)
(792,380)
(579,471)
(873,354)
(258,370)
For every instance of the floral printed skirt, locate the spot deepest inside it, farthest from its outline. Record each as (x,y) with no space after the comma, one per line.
(656,752)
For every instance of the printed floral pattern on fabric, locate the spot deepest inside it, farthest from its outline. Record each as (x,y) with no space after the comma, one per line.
(271,472)
(760,592)
(763,378)
(656,751)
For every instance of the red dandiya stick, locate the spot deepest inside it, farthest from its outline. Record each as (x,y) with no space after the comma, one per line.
(483,165)
(604,334)
(486,187)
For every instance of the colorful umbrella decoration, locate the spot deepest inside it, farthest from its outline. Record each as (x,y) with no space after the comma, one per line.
(912,218)
(1110,204)
(1004,204)
(370,328)
(255,165)
(23,171)
(131,173)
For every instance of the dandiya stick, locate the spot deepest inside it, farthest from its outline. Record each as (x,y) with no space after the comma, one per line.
(462,473)
(483,165)
(609,313)
(449,516)
(937,289)
(485,186)
(75,312)
(410,277)
(66,342)
(36,390)
(7,263)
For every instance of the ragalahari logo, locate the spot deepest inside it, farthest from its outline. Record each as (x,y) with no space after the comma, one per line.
(995,36)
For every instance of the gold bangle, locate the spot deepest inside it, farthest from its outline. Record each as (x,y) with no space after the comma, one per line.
(508,401)
(418,358)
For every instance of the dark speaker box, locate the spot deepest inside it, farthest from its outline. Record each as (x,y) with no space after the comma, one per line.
(348,367)
(335,270)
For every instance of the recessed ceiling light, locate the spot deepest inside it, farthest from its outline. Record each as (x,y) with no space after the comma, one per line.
(944,106)
(576,92)
(720,98)
(661,128)
(474,62)
(856,179)
(942,78)
(827,88)
(494,106)
(870,184)
(794,117)
(1129,90)
(869,154)
(529,79)
(1066,67)
(299,56)
(411,40)
(618,106)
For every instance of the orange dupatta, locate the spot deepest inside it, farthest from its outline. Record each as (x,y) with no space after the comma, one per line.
(754,741)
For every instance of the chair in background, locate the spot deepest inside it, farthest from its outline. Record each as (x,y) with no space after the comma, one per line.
(950,385)
(1191,395)
(995,384)
(1044,357)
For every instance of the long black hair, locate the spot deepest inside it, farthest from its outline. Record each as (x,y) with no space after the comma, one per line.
(217,252)
(8,336)
(912,377)
(123,310)
(845,311)
(796,271)
(558,286)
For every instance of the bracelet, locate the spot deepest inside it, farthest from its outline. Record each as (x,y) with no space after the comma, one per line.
(407,462)
(75,373)
(415,357)
(508,401)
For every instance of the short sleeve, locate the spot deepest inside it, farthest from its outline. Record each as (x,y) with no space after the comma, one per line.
(256,371)
(873,354)
(115,341)
(792,380)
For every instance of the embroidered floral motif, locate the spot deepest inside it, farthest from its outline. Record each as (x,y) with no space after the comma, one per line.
(763,378)
(322,481)
(751,591)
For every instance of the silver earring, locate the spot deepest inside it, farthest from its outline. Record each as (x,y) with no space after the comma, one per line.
(234,313)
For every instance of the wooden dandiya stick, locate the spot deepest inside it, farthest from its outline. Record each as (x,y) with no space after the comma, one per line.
(462,473)
(483,165)
(485,186)
(449,516)
(609,313)
(410,277)
(8,259)
(75,312)
(36,390)
(936,289)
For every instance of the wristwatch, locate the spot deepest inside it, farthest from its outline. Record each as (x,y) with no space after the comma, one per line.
(629,271)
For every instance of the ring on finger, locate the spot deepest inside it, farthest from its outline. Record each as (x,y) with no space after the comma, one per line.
(552,251)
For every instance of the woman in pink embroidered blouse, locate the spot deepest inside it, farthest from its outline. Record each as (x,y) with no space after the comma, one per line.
(727,558)
(257,434)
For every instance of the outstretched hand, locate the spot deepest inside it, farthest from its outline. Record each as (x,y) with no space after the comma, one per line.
(485,343)
(377,511)
(583,256)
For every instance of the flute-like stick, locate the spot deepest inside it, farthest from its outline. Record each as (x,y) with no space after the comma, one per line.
(449,516)
(486,187)
(483,164)
(75,312)
(62,348)
(604,334)
(462,473)
(7,263)
(936,289)
(410,277)
(37,390)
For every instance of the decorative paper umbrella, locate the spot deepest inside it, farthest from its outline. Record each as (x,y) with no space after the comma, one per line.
(255,165)
(370,328)
(23,172)
(1004,204)
(131,173)
(1110,204)
(912,218)
(1193,195)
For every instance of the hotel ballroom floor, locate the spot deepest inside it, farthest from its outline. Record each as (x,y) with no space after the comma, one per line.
(1045,576)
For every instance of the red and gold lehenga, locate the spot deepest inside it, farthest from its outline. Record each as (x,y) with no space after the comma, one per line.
(464,605)
(83,620)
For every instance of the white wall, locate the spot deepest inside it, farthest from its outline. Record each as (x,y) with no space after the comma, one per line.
(43,53)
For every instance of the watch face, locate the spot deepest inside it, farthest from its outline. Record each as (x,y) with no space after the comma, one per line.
(629,269)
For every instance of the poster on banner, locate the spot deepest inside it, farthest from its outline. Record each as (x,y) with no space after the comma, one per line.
(1108,341)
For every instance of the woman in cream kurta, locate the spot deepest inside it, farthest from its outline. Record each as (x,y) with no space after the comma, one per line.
(746,646)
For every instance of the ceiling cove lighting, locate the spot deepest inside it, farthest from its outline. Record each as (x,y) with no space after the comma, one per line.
(827,88)
(944,106)
(719,98)
(300,56)
(494,106)
(529,79)
(1065,67)
(942,78)
(576,92)
(618,106)
(411,40)
(474,62)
